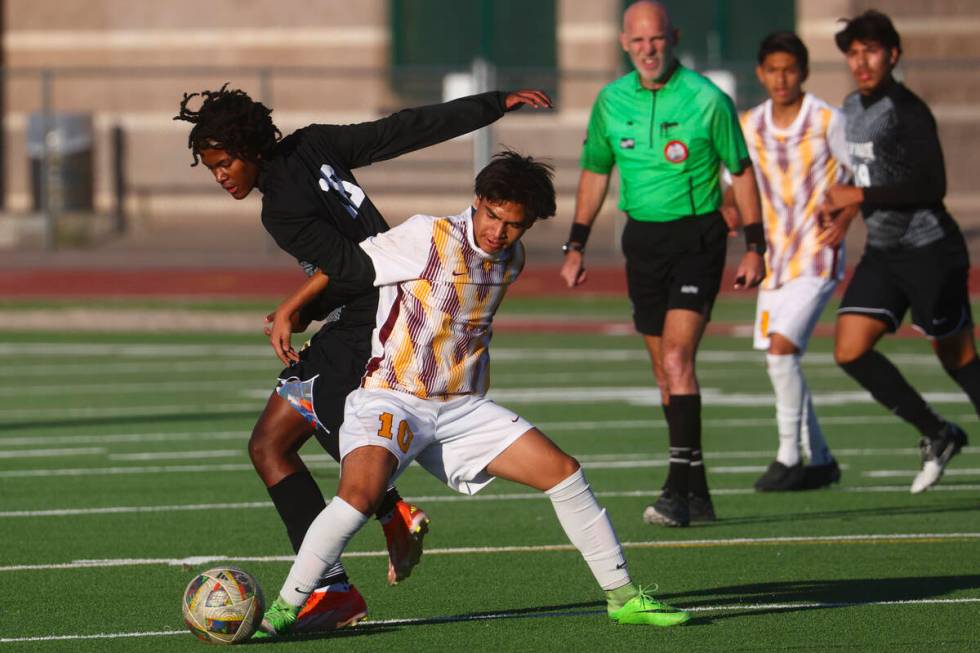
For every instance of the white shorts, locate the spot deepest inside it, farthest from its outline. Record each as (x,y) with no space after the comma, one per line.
(792,310)
(453,440)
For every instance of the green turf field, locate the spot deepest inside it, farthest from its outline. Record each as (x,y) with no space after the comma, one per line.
(123,472)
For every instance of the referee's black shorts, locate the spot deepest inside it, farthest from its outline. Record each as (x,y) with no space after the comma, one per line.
(931,280)
(671,265)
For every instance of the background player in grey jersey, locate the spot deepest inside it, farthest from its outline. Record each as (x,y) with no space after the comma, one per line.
(915,256)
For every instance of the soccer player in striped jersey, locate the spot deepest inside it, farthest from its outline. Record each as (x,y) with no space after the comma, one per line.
(798,149)
(422,397)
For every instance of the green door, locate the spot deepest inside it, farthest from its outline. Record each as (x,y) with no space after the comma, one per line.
(431,38)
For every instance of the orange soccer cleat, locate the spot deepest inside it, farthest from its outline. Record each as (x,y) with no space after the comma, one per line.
(404,529)
(329,608)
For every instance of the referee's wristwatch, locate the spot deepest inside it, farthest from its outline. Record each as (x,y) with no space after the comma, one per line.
(572,246)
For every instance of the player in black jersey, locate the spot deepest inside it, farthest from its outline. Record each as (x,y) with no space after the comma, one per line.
(915,256)
(309,194)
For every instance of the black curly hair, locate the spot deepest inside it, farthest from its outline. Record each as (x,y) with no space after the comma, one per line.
(232,121)
(513,177)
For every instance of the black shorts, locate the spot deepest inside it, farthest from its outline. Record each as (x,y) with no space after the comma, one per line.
(329,369)
(673,265)
(931,280)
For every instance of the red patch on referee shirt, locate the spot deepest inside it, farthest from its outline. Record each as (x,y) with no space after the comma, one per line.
(675,152)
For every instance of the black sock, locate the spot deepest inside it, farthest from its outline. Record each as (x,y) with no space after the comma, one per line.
(968,378)
(699,477)
(684,423)
(889,388)
(387,505)
(298,500)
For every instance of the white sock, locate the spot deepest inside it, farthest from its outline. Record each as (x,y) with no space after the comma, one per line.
(811,436)
(325,540)
(588,527)
(790,388)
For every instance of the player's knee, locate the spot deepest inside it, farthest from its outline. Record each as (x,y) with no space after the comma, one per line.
(262,446)
(847,352)
(568,466)
(678,363)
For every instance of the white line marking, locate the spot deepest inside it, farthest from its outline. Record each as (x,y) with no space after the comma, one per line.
(114,471)
(143,388)
(545,548)
(500,354)
(132,411)
(125,437)
(177,455)
(452,498)
(52,453)
(904,473)
(606,426)
(142,368)
(374,623)
(315,461)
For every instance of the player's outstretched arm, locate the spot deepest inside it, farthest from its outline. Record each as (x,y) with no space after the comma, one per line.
(591,193)
(420,127)
(285,319)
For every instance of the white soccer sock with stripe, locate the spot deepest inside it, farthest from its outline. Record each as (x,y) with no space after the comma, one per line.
(790,388)
(588,527)
(325,540)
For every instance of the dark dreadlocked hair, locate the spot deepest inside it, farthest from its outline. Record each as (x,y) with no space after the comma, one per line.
(232,121)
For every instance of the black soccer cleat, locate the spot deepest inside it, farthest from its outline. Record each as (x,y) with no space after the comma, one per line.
(700,508)
(780,478)
(669,510)
(820,476)
(936,454)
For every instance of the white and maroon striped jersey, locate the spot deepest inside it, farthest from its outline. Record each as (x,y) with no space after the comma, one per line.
(794,167)
(438,296)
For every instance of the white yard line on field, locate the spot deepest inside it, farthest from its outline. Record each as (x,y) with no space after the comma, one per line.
(52,453)
(178,455)
(452,498)
(193,561)
(501,354)
(908,473)
(605,426)
(524,614)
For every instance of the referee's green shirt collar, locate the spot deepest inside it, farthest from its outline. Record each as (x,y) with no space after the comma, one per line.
(671,76)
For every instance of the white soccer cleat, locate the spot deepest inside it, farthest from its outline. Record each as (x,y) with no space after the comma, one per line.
(936,454)
(931,472)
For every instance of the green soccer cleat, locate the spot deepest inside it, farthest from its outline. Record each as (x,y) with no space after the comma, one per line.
(644,610)
(278,620)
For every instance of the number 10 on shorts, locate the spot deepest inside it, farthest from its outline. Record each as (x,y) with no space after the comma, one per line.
(405,435)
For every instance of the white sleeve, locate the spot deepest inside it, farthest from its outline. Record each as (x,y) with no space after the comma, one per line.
(726,177)
(400,254)
(837,140)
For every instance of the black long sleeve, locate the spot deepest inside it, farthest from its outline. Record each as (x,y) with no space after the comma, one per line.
(409,129)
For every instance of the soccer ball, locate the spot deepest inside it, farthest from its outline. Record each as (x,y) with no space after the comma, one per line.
(223,605)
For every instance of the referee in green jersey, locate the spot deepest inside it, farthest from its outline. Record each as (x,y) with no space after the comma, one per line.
(669,130)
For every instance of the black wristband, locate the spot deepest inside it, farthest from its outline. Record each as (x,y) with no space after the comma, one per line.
(579,234)
(755,238)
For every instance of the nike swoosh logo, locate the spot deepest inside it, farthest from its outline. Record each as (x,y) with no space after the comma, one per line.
(621,565)
(458,274)
(516,418)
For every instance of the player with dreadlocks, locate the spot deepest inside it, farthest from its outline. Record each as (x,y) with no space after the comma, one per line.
(309,195)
